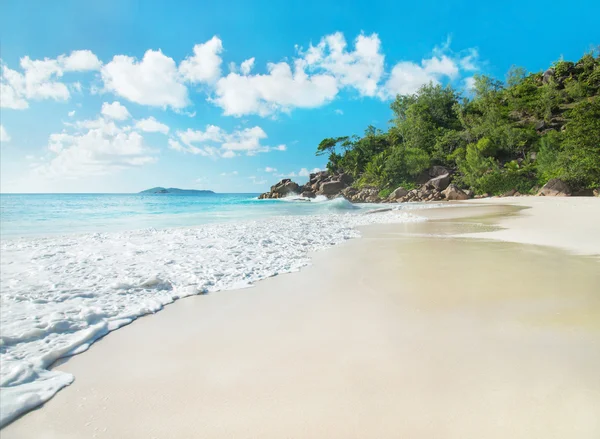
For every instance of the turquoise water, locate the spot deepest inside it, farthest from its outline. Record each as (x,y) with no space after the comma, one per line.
(64,285)
(51,214)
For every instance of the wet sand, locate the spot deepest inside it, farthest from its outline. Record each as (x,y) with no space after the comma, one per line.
(409,331)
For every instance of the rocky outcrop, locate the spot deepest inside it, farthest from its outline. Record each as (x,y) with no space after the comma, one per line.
(436,187)
(421,194)
(282,189)
(555,188)
(439,183)
(397,194)
(330,188)
(319,183)
(366,194)
(452,192)
(548,75)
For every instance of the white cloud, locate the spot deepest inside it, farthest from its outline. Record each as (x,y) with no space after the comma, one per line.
(205,64)
(40,78)
(115,111)
(305,172)
(281,89)
(441,66)
(4,137)
(9,96)
(255,180)
(247,140)
(469,62)
(469,83)
(71,113)
(153,81)
(338,111)
(177,146)
(228,154)
(247,66)
(269,169)
(80,61)
(407,77)
(361,68)
(229,174)
(289,175)
(94,147)
(151,125)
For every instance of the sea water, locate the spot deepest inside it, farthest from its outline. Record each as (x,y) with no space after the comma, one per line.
(75,267)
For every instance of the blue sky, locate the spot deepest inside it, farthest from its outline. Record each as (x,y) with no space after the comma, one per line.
(119,96)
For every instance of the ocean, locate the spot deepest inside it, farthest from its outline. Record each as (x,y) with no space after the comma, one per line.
(74,267)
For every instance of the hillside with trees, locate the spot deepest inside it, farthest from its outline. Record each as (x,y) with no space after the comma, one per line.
(506,136)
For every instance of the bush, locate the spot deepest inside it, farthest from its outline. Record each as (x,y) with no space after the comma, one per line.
(498,182)
(405,163)
(548,158)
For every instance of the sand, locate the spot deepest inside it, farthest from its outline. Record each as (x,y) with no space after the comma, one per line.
(409,331)
(570,223)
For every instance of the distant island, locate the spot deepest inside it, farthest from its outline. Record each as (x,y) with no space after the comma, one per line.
(174,190)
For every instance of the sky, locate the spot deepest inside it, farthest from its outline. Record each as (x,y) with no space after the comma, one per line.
(232,96)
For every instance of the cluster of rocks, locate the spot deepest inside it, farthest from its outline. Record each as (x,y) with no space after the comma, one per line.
(436,186)
(319,183)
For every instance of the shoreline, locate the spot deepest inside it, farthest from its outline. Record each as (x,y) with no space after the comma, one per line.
(80,364)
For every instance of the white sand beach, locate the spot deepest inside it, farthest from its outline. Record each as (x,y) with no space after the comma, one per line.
(413,331)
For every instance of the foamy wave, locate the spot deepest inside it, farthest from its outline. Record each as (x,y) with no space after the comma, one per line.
(60,294)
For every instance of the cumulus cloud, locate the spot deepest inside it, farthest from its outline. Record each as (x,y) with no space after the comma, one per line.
(94,147)
(4,137)
(115,111)
(40,78)
(247,66)
(360,68)
(153,81)
(311,80)
(304,172)
(407,77)
(71,113)
(80,61)
(205,64)
(151,125)
(281,89)
(215,141)
(269,169)
(469,83)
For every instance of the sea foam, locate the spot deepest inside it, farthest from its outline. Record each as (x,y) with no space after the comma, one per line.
(59,294)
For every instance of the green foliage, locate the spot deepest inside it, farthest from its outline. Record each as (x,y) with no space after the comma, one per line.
(548,162)
(488,139)
(404,164)
(580,155)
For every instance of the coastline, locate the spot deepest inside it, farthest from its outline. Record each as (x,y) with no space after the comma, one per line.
(406,344)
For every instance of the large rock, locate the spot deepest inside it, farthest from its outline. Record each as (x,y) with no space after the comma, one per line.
(440,183)
(452,192)
(548,75)
(331,188)
(285,187)
(398,193)
(555,188)
(318,177)
(308,194)
(347,179)
(436,171)
(282,189)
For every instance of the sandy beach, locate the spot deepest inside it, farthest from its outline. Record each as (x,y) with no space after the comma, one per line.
(483,322)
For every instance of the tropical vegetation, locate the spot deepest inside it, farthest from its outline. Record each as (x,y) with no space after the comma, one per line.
(495,137)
